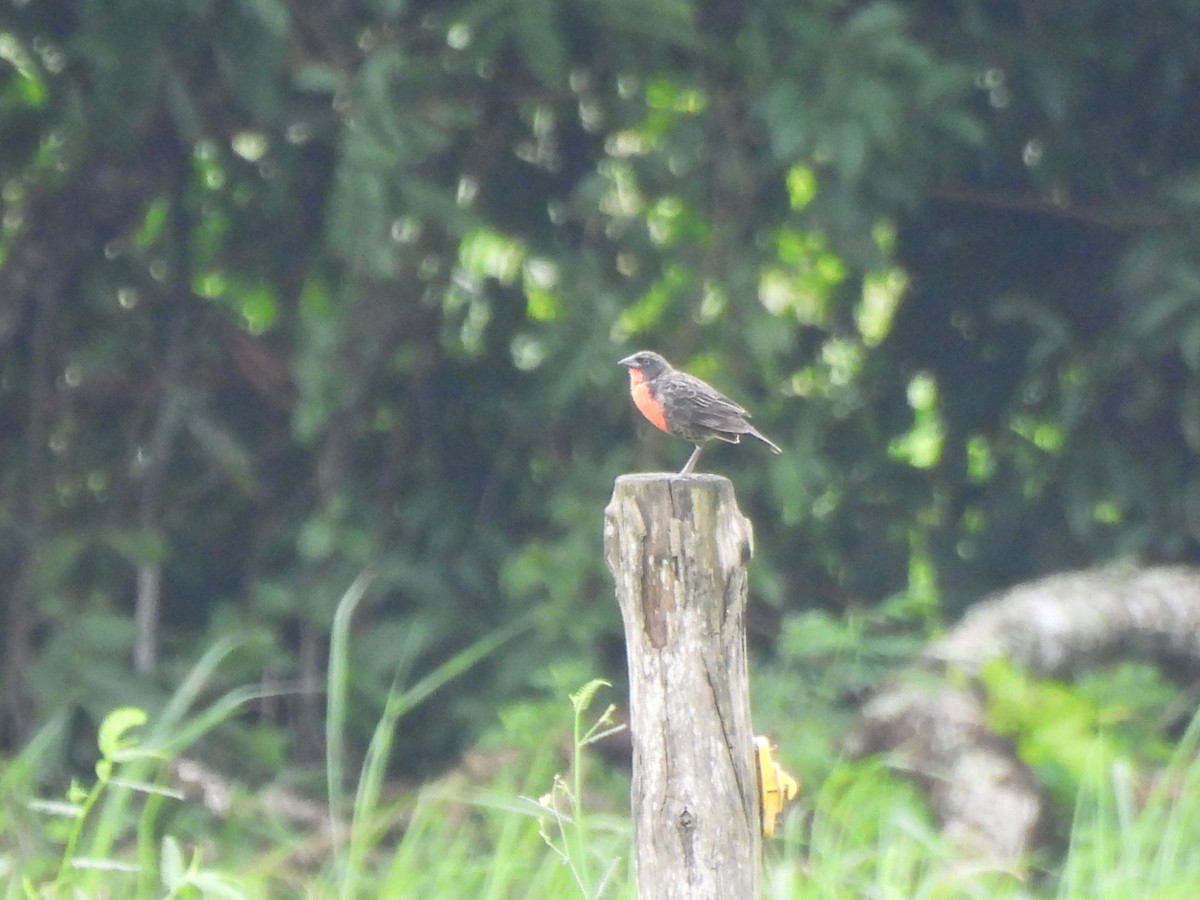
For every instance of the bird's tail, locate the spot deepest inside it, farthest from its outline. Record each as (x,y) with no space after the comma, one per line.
(766,440)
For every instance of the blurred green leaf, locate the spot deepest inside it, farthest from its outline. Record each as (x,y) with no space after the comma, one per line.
(112,736)
(535,28)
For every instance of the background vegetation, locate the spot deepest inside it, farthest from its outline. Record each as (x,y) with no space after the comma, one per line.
(294,290)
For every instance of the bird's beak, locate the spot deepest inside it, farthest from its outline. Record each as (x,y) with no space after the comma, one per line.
(628,362)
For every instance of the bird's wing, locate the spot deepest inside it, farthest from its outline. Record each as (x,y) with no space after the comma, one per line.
(705,405)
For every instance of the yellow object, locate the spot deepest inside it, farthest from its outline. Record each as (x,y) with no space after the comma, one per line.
(776,788)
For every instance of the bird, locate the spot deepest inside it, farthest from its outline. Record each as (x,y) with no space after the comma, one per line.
(684,406)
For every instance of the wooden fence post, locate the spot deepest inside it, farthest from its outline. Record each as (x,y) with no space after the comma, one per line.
(678,547)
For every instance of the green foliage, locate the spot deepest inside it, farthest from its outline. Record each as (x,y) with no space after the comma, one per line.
(867,835)
(1134,836)
(295,290)
(861,831)
(368,826)
(73,847)
(1069,733)
(483,841)
(807,696)
(563,824)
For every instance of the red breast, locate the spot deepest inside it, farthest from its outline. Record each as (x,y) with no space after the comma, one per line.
(643,398)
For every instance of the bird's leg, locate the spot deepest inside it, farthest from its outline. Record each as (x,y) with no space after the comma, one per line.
(691,463)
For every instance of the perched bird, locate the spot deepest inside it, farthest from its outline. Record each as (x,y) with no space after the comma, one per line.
(684,406)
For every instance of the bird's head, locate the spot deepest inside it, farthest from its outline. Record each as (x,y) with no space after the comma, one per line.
(646,364)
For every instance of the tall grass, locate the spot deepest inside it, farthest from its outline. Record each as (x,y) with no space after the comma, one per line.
(862,832)
(1135,836)
(369,823)
(868,834)
(72,847)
